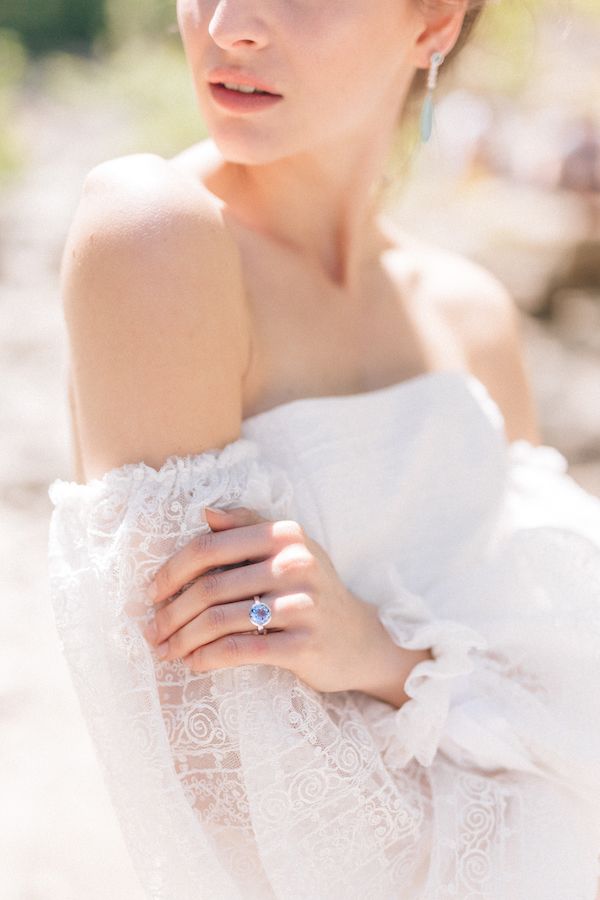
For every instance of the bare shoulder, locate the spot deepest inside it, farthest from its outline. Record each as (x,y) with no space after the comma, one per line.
(484,318)
(155,312)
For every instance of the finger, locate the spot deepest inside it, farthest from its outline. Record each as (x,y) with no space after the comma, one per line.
(281,572)
(208,550)
(229,618)
(219,519)
(168,579)
(210,590)
(276,648)
(205,551)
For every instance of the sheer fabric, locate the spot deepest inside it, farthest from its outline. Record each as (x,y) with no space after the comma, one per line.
(247,783)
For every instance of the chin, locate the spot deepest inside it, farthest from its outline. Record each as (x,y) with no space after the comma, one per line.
(238,145)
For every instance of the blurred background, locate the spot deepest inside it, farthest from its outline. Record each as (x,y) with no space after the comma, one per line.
(510,177)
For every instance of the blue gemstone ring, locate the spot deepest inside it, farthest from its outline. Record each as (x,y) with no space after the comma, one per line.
(259,614)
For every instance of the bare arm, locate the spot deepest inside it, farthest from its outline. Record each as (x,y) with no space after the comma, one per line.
(156,326)
(155,314)
(77,472)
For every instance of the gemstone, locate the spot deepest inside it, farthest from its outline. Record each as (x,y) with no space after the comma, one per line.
(260,613)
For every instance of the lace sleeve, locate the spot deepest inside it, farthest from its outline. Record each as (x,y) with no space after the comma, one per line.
(246,783)
(166,738)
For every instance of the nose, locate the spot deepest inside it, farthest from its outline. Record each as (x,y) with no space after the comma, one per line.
(236,22)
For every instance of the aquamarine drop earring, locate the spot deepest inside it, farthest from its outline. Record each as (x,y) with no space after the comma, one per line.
(427,111)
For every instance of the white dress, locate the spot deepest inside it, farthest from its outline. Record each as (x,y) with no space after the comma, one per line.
(247,783)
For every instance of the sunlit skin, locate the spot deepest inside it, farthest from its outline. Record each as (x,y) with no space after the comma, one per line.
(302,172)
(327,635)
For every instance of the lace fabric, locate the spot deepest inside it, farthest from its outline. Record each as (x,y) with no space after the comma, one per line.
(247,783)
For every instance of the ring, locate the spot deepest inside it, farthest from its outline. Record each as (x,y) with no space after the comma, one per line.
(259,614)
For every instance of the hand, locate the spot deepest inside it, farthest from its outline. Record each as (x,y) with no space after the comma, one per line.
(319,630)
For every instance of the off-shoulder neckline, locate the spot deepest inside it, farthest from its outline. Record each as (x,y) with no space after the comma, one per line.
(244,448)
(361,396)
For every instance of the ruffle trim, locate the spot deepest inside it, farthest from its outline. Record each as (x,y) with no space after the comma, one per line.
(543,455)
(193,467)
(138,497)
(415,730)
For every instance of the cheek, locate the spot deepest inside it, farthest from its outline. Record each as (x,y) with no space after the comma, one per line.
(189,20)
(348,76)
(188,12)
(349,48)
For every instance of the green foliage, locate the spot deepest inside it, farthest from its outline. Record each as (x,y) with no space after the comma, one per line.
(14,59)
(148,81)
(12,72)
(46,24)
(145,19)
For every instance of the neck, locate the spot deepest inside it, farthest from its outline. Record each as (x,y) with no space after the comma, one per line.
(321,205)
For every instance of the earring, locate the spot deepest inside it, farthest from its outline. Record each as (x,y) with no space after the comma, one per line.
(427,111)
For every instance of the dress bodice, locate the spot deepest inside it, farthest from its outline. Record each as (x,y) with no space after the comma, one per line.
(418,465)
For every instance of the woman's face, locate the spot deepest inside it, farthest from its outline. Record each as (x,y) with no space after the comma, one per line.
(342,66)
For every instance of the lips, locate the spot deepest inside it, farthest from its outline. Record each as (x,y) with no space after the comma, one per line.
(247,93)
(241,102)
(237,76)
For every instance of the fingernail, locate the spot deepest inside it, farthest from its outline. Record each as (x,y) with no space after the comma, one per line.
(217,512)
(152,591)
(151,632)
(163,649)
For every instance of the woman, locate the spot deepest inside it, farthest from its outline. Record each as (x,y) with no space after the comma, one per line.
(331,608)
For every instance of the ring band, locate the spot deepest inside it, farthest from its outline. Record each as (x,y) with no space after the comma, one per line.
(259,614)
